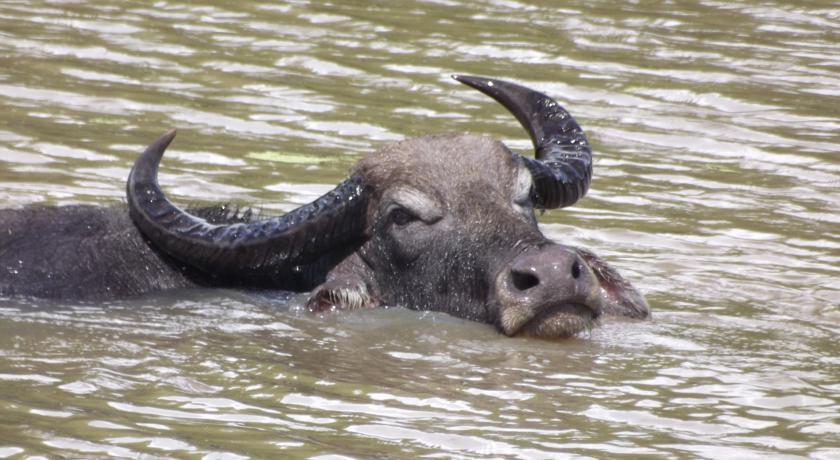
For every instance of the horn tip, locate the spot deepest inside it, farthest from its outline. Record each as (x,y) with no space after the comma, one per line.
(465,79)
(158,147)
(482,84)
(167,138)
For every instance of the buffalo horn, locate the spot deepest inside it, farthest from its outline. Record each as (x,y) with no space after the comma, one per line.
(562,169)
(273,245)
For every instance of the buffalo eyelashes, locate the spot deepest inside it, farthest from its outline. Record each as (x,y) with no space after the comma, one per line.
(401,217)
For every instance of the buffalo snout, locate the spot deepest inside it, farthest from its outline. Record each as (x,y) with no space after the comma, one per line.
(547,292)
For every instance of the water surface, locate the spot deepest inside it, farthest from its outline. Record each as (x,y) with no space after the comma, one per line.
(716,129)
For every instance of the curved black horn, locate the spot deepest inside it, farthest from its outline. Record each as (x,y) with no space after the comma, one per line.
(562,170)
(269,246)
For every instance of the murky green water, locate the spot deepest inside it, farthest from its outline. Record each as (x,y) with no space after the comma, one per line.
(716,127)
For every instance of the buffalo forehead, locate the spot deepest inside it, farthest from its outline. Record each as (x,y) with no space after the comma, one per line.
(447,162)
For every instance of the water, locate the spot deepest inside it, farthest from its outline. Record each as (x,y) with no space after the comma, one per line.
(716,128)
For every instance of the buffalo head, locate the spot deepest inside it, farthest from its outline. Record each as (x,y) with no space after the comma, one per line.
(442,222)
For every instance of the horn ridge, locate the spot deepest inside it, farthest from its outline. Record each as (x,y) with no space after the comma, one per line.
(239,249)
(562,168)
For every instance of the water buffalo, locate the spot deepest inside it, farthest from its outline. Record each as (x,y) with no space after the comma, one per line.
(443,222)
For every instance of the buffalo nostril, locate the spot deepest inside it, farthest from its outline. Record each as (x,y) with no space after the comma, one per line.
(524,281)
(576,270)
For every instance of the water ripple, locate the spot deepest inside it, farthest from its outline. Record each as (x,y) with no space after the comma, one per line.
(715,193)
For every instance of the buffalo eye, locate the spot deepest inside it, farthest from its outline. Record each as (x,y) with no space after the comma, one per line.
(401,217)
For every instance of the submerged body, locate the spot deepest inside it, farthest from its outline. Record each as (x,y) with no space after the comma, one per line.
(79,252)
(442,222)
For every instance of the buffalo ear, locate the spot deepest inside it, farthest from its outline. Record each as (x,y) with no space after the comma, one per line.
(619,297)
(349,286)
(347,293)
